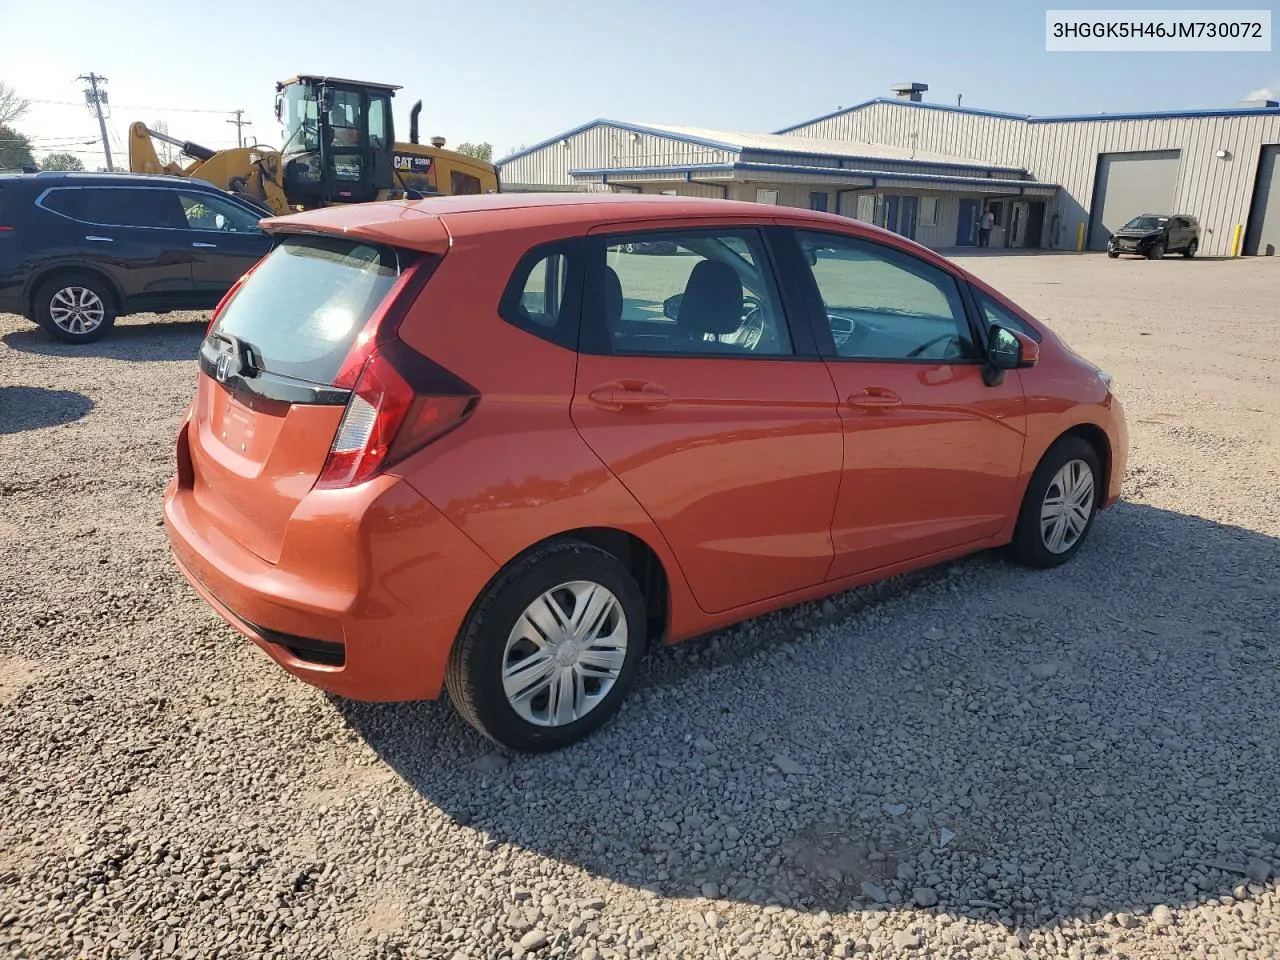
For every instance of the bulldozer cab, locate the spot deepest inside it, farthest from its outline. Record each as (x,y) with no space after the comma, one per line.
(338,140)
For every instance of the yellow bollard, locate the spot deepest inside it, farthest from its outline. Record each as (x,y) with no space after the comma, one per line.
(1080,238)
(1235,240)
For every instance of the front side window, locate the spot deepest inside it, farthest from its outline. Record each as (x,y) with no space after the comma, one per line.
(992,312)
(695,292)
(883,304)
(205,212)
(378,114)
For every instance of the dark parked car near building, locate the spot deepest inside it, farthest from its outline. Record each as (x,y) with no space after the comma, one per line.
(78,250)
(1152,235)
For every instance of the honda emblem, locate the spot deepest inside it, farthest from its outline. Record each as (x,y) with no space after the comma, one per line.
(223,369)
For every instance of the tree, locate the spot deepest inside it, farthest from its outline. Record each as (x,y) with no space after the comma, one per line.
(167,152)
(481,151)
(15,150)
(61,161)
(12,106)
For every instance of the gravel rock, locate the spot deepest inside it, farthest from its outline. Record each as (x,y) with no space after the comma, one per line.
(169,793)
(1044,671)
(926,897)
(534,940)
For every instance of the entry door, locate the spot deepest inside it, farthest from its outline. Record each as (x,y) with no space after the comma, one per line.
(907,217)
(691,390)
(225,241)
(967,223)
(931,453)
(891,213)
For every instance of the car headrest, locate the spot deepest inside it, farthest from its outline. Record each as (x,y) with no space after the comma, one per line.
(712,301)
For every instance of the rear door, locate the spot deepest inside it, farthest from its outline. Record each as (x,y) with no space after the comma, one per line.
(260,435)
(226,241)
(137,234)
(702,399)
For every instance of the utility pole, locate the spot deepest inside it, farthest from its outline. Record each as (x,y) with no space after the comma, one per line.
(96,98)
(240,125)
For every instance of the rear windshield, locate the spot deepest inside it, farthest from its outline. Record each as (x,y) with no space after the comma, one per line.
(306,303)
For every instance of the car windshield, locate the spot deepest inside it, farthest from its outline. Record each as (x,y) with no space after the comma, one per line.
(1146,223)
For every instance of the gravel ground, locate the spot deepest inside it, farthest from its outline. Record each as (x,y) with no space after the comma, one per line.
(975,761)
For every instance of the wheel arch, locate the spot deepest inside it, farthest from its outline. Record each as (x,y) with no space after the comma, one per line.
(1096,437)
(48,273)
(643,562)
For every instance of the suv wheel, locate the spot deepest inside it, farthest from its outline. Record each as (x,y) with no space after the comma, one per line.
(1060,504)
(1156,251)
(74,308)
(550,650)
(1192,247)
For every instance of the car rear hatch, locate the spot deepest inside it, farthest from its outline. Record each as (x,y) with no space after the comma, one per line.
(299,384)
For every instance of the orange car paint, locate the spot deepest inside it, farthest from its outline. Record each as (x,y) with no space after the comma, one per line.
(391,567)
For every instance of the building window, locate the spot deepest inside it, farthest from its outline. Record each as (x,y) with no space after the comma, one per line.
(870,207)
(928,216)
(818,200)
(766,196)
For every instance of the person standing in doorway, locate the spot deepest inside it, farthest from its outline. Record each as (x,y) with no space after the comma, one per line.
(985,223)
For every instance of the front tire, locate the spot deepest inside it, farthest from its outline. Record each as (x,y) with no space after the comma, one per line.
(1059,506)
(1112,254)
(550,649)
(1156,252)
(74,308)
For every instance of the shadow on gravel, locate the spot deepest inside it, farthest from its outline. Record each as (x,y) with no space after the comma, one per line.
(137,342)
(31,408)
(1023,747)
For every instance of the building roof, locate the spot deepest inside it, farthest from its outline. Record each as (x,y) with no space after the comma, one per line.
(737,141)
(1244,111)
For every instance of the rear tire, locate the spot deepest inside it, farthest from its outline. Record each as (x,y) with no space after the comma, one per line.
(1190,252)
(519,680)
(74,308)
(1059,506)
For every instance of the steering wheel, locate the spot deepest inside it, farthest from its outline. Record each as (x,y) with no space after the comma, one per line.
(752,329)
(929,343)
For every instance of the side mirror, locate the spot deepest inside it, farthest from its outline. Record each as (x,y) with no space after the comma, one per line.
(1009,349)
(279,109)
(671,306)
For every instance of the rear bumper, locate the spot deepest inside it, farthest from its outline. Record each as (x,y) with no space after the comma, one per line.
(370,591)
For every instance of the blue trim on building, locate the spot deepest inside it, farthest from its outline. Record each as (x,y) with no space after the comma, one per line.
(687,171)
(621,125)
(1029,118)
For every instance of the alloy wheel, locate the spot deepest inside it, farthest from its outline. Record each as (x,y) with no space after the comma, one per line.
(565,653)
(1067,507)
(77,310)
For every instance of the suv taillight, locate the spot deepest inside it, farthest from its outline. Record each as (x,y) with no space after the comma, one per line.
(387,419)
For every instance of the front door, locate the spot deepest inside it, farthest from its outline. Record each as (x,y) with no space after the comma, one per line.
(932,453)
(692,389)
(907,217)
(226,242)
(967,223)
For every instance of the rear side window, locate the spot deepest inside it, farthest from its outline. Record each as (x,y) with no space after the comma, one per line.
(118,206)
(543,293)
(306,303)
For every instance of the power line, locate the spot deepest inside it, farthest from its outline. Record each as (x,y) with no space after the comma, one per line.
(127,106)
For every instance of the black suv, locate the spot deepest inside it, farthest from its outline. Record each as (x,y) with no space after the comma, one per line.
(1152,235)
(78,250)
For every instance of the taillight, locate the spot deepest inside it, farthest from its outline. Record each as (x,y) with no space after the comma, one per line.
(229,295)
(5,229)
(387,419)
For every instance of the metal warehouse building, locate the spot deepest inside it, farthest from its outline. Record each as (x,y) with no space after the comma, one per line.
(927,170)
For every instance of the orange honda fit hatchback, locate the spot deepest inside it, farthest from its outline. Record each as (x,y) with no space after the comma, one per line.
(504,443)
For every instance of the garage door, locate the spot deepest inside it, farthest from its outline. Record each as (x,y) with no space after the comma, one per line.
(1129,184)
(1263,236)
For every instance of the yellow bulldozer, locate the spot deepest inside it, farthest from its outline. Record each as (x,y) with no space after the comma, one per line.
(339,147)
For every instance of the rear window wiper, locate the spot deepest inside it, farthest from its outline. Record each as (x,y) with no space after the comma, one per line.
(244,356)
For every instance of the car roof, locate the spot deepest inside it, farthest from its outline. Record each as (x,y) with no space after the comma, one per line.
(417,223)
(79,179)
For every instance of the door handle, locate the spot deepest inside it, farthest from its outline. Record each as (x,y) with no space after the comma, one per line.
(873,398)
(102,239)
(207,246)
(629,393)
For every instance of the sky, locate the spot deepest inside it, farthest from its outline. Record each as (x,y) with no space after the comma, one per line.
(514,73)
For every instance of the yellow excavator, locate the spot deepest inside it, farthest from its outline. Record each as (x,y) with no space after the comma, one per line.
(339,147)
